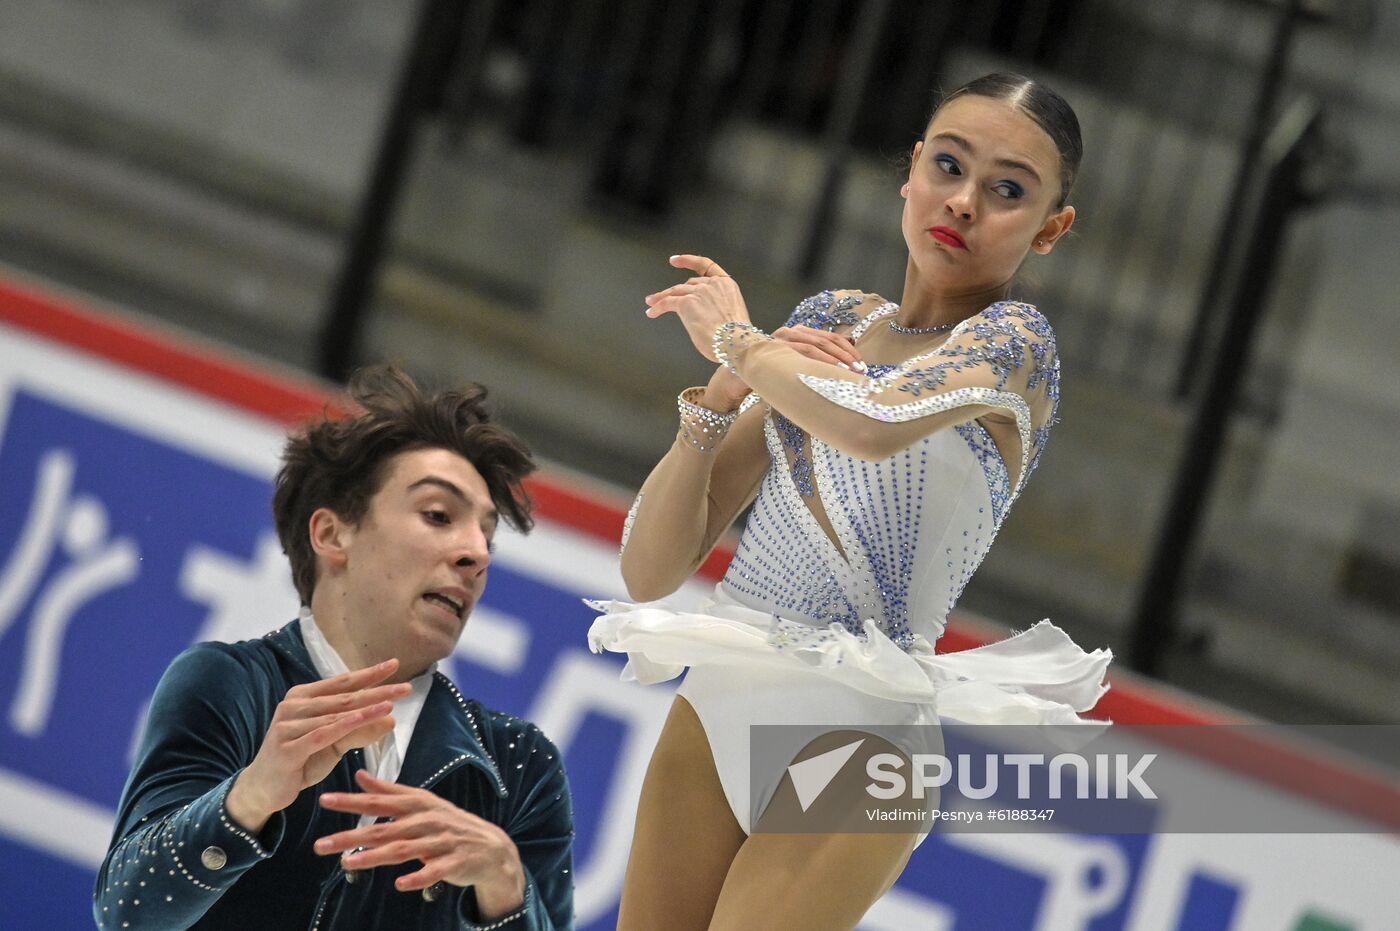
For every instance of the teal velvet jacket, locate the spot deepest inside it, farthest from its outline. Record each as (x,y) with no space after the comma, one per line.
(178,861)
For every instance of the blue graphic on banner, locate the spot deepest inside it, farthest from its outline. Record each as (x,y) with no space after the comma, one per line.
(1210,904)
(1063,880)
(104,532)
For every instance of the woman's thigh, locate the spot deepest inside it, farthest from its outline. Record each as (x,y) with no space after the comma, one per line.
(686,835)
(815,882)
(809,882)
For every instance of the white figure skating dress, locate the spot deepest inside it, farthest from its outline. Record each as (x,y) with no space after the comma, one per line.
(850,561)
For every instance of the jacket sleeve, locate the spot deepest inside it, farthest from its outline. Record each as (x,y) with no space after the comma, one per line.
(542,826)
(175,849)
(1001,363)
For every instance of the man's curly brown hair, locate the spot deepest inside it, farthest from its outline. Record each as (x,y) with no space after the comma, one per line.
(341,463)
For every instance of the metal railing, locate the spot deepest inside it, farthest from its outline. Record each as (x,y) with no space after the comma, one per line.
(1173,96)
(1295,144)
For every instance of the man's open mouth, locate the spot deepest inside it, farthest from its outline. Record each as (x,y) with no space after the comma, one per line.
(452,604)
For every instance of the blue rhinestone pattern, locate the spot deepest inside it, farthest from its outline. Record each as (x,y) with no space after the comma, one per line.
(993,467)
(874,509)
(910,530)
(785,561)
(825,311)
(822,311)
(991,346)
(795,439)
(998,342)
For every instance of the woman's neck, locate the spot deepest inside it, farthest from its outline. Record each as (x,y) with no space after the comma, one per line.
(926,305)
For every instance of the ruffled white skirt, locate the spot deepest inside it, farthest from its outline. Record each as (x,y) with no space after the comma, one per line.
(1038,676)
(748,667)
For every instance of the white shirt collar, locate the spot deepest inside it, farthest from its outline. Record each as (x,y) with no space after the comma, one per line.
(385,758)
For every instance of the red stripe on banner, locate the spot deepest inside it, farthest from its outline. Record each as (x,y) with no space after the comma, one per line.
(206,371)
(1307,775)
(575,509)
(583,511)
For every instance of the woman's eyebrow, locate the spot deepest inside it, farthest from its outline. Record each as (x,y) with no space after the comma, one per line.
(1003,162)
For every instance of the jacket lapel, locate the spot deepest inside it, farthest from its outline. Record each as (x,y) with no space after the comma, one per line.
(445,737)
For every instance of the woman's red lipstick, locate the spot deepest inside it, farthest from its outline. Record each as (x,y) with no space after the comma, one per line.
(947,236)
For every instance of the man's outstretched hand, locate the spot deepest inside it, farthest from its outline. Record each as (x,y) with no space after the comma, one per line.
(313,727)
(453,845)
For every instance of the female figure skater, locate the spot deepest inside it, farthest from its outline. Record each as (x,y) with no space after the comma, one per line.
(884,445)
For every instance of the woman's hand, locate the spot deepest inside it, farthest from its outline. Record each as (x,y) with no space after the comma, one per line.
(703,303)
(822,345)
(726,391)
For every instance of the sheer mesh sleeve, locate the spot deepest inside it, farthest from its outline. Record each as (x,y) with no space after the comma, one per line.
(998,363)
(687,503)
(829,310)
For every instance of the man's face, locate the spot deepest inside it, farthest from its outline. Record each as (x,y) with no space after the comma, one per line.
(416,564)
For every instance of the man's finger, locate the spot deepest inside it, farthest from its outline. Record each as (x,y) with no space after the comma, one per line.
(375,719)
(701,265)
(434,870)
(400,851)
(402,827)
(374,784)
(363,803)
(429,874)
(341,702)
(342,841)
(364,735)
(297,728)
(347,681)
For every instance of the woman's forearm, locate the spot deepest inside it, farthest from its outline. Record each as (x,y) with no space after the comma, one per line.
(668,524)
(694,493)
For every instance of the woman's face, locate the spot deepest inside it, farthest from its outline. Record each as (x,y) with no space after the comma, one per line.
(983,189)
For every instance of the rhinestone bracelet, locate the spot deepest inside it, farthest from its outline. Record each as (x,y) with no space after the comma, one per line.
(701,427)
(726,340)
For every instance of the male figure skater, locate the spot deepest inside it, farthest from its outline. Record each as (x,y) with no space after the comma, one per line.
(325,776)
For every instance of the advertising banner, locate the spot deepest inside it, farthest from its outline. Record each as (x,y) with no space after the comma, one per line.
(135,520)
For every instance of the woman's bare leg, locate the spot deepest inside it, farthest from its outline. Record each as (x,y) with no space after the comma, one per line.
(686,835)
(815,882)
(808,882)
